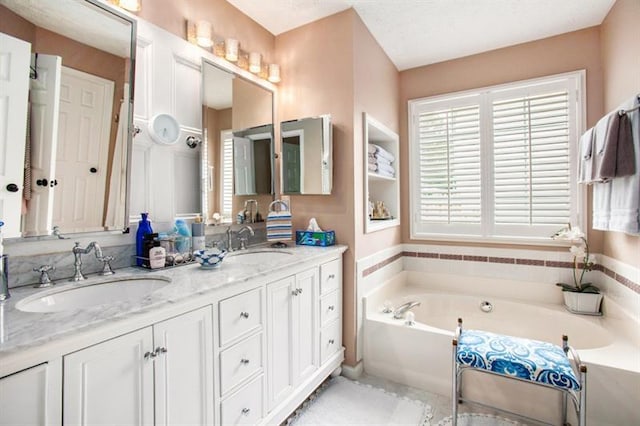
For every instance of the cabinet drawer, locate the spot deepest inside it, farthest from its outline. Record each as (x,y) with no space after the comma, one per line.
(330,276)
(330,340)
(240,315)
(245,406)
(329,308)
(240,362)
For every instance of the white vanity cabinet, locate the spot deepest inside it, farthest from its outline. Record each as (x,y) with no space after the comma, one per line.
(168,366)
(32,396)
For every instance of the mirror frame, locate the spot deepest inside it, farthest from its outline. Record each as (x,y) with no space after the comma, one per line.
(222,65)
(112,10)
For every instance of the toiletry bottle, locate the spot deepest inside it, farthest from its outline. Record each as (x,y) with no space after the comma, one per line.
(157,256)
(144,228)
(183,242)
(197,234)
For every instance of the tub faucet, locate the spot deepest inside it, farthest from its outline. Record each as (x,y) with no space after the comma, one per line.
(402,309)
(77,254)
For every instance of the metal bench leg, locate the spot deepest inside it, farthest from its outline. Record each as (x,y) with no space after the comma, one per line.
(454,392)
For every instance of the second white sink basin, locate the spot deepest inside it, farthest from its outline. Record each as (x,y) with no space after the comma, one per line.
(129,289)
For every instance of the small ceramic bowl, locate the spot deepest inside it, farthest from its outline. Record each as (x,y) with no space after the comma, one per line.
(209,258)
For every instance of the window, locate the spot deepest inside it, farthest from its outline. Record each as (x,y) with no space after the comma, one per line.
(498,162)
(226,154)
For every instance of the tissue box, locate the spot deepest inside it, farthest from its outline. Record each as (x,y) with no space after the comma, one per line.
(314,238)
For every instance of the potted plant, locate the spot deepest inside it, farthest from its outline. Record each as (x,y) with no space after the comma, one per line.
(579,297)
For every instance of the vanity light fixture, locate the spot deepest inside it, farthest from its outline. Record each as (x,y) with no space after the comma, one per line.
(274,73)
(203,34)
(255,62)
(130,5)
(231,49)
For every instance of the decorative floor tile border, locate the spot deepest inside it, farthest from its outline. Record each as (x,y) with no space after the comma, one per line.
(508,260)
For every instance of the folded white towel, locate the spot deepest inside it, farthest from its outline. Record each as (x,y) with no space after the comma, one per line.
(381,152)
(386,168)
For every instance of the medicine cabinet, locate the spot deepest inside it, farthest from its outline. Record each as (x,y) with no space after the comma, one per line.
(381,176)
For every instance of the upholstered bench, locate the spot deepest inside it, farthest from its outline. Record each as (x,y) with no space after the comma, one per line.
(533,361)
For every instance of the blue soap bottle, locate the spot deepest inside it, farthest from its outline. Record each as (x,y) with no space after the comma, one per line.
(144,228)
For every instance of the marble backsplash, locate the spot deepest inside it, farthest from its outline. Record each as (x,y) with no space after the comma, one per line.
(21,266)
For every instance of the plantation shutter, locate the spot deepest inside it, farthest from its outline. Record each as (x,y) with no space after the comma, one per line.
(449,165)
(531,136)
(227,174)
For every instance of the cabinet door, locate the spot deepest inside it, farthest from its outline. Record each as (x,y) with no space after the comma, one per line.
(305,324)
(110,383)
(32,396)
(184,373)
(280,339)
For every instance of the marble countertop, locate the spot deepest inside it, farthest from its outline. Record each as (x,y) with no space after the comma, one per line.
(27,338)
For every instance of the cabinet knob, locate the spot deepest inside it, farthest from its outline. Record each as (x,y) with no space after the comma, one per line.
(299,291)
(12,187)
(244,314)
(246,411)
(294,292)
(331,307)
(331,341)
(331,277)
(244,361)
(149,355)
(160,351)
(42,182)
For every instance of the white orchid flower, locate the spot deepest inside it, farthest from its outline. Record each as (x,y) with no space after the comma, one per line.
(574,234)
(577,251)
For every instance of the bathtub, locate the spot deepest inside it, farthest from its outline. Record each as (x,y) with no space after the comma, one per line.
(420,355)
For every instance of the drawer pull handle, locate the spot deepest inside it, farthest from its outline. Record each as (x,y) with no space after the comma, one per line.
(160,351)
(294,292)
(331,341)
(299,290)
(331,308)
(246,411)
(331,277)
(244,314)
(244,361)
(149,355)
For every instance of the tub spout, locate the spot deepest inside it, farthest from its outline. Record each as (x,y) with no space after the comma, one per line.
(402,309)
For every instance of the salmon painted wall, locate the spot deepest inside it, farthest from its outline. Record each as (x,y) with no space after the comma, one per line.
(620,35)
(227,21)
(376,92)
(317,78)
(567,52)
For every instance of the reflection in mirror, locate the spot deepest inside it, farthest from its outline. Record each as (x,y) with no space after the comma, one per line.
(306,155)
(72,170)
(238,121)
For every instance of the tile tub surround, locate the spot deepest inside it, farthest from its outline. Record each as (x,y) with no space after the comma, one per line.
(29,338)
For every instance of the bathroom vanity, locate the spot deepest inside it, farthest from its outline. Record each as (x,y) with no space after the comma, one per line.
(244,343)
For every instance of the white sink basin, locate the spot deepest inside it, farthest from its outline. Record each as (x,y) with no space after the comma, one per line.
(255,257)
(130,289)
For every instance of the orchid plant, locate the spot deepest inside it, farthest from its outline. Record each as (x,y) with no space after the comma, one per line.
(582,259)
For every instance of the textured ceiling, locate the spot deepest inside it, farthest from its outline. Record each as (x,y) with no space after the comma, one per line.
(421,32)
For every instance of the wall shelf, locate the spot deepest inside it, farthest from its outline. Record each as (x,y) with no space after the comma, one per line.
(378,187)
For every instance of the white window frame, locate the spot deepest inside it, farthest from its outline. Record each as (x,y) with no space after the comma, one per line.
(575,82)
(226,135)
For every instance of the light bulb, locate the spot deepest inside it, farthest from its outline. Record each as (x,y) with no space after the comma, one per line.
(130,5)
(254,62)
(274,73)
(231,49)
(203,34)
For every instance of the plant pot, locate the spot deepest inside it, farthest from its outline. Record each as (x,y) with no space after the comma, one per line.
(582,303)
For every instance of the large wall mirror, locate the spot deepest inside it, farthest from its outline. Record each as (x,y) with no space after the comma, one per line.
(238,134)
(71,169)
(307,163)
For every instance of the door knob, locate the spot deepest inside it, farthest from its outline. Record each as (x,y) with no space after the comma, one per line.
(12,187)
(93,170)
(42,182)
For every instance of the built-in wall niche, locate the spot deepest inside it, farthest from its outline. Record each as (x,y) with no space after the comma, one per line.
(381,176)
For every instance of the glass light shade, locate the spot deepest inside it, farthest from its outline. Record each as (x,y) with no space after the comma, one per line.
(255,62)
(131,5)
(231,49)
(274,73)
(203,34)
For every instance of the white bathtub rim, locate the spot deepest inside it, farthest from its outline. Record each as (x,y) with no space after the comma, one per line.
(622,353)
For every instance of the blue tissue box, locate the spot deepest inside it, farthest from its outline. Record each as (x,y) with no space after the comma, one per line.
(313,238)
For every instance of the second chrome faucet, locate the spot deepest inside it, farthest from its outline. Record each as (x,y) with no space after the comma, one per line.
(77,262)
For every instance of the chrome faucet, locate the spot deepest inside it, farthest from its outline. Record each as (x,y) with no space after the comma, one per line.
(399,312)
(243,240)
(77,263)
(229,233)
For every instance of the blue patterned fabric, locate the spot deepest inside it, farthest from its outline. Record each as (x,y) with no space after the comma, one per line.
(526,359)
